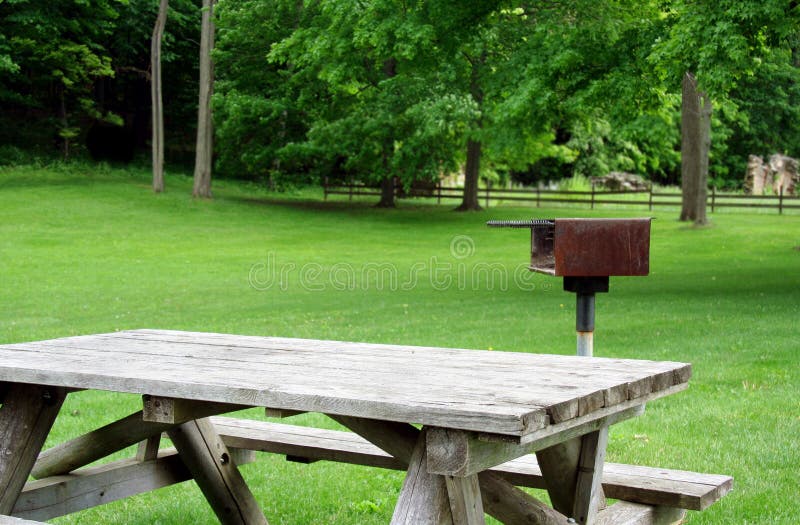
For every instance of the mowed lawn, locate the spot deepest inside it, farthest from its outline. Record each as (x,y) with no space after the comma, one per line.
(90,249)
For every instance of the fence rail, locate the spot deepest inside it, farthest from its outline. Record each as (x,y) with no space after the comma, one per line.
(593,197)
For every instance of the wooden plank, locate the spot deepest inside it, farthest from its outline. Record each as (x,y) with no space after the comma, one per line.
(10,520)
(158,409)
(626,513)
(466,505)
(27,414)
(92,486)
(424,497)
(461,453)
(511,506)
(148,449)
(436,387)
(588,490)
(212,467)
(97,444)
(654,486)
(500,499)
(281,412)
(559,468)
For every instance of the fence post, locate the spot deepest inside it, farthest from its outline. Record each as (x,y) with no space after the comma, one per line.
(713,197)
(593,195)
(650,202)
(351,188)
(439,192)
(538,196)
(488,190)
(780,202)
(325,188)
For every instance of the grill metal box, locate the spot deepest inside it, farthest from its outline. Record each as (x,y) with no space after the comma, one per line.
(591,247)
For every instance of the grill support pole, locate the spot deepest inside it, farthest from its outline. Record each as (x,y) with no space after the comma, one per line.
(584,323)
(585,289)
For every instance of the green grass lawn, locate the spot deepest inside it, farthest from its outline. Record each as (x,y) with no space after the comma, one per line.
(90,249)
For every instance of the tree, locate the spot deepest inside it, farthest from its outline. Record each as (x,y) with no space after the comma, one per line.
(740,52)
(204,149)
(695,145)
(156,97)
(380,118)
(51,53)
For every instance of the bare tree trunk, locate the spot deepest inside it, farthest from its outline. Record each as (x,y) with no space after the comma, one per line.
(387,184)
(155,95)
(695,145)
(64,133)
(472,170)
(471,177)
(387,193)
(205,130)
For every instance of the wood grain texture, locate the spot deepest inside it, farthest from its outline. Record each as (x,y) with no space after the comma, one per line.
(466,505)
(512,506)
(27,414)
(559,468)
(424,497)
(157,409)
(648,485)
(588,489)
(490,392)
(10,520)
(213,468)
(92,486)
(626,513)
(507,503)
(462,453)
(97,485)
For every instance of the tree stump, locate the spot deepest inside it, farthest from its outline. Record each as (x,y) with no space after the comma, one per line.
(785,173)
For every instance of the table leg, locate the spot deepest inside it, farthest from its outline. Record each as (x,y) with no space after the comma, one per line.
(572,471)
(500,499)
(466,503)
(214,470)
(424,497)
(26,417)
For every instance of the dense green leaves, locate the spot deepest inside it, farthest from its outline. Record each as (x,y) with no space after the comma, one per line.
(389,88)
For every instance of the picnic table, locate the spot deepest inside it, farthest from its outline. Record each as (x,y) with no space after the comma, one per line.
(450,415)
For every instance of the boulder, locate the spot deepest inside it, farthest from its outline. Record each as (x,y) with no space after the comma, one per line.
(621,181)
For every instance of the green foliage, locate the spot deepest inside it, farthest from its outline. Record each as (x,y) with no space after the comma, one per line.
(721,298)
(384,88)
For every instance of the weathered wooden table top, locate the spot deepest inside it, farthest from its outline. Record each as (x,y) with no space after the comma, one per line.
(507,393)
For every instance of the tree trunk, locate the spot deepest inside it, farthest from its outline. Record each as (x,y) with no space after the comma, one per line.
(471,178)
(64,132)
(695,145)
(155,95)
(205,131)
(472,170)
(388,183)
(387,193)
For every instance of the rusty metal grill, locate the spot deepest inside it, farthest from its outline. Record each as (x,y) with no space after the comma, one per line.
(586,252)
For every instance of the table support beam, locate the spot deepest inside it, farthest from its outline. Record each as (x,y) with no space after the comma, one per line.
(121,434)
(573,471)
(26,417)
(512,506)
(500,499)
(462,453)
(213,468)
(466,503)
(424,497)
(627,513)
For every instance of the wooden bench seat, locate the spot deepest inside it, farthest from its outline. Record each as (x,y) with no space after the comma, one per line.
(648,494)
(646,485)
(10,520)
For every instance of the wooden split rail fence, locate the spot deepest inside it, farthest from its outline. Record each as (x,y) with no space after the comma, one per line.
(596,196)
